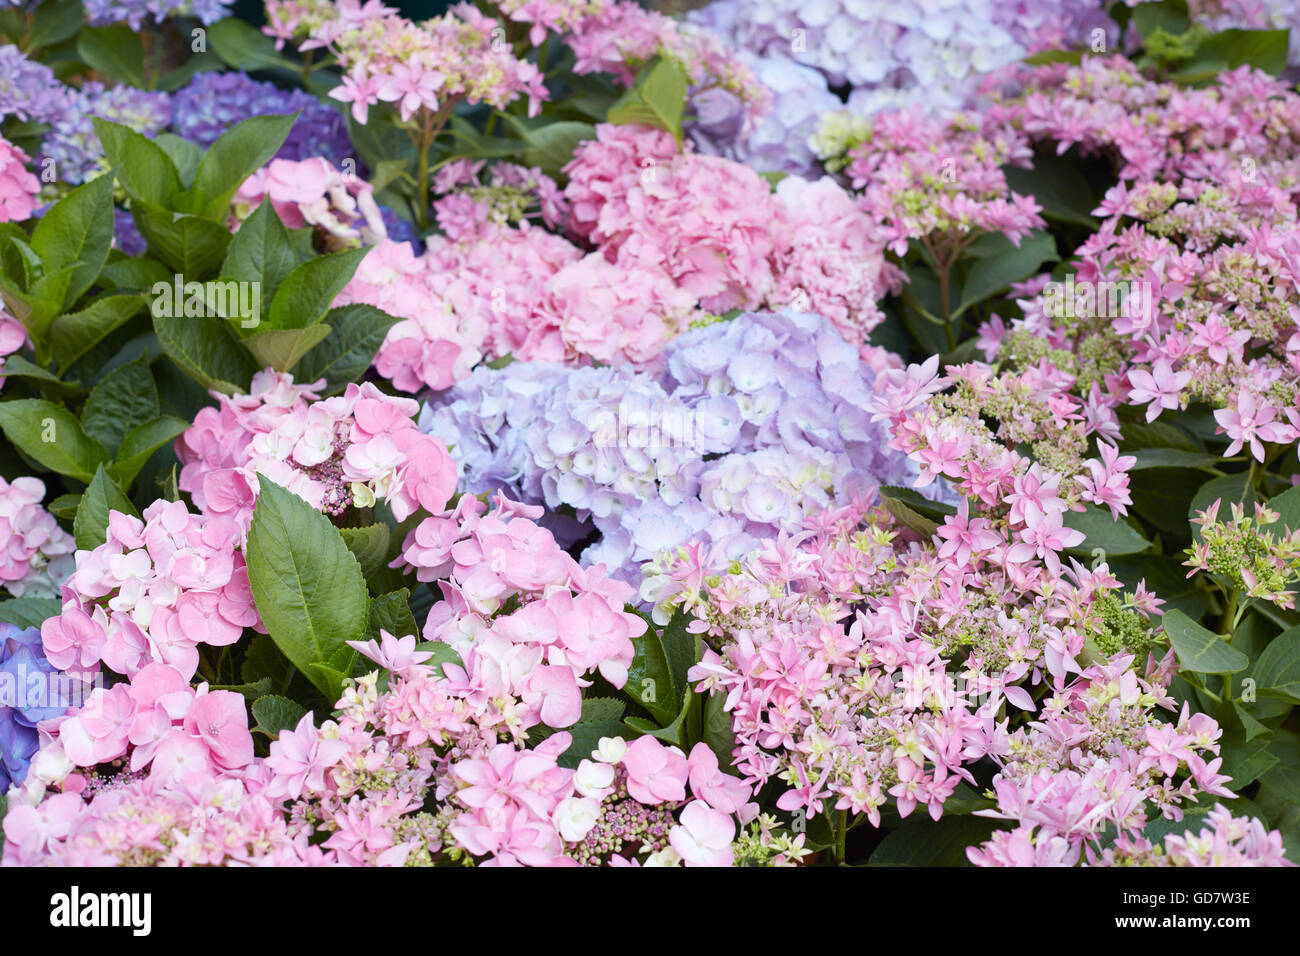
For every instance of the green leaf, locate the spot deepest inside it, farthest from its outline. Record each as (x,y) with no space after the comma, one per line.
(143,167)
(1058,185)
(1245,760)
(205,352)
(1287,506)
(74,334)
(1003,263)
(1200,650)
(913,509)
(1277,672)
(124,398)
(28,612)
(260,251)
(602,708)
(309,290)
(921,841)
(65,506)
(551,147)
(191,245)
(91,525)
(650,678)
(139,444)
(1173,458)
(1104,531)
(244,47)
(1265,50)
(77,231)
(1251,727)
(392,613)
(184,154)
(306,584)
(717,729)
(372,547)
(116,51)
(657,99)
(54,21)
(1147,435)
(15,366)
(282,348)
(50,434)
(134,275)
(1170,16)
(274,714)
(585,738)
(682,730)
(237,154)
(358,332)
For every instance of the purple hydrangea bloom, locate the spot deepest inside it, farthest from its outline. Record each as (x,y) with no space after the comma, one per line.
(213,102)
(135,12)
(31,690)
(126,236)
(29,90)
(72,143)
(753,424)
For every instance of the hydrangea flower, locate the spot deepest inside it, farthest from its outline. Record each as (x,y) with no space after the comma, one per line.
(18,187)
(35,553)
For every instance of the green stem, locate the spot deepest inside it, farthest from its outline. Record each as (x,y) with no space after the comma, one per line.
(841,835)
(1228,623)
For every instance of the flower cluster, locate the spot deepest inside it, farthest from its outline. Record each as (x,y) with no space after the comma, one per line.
(31,691)
(135,13)
(717,229)
(938,180)
(18,187)
(213,102)
(753,424)
(29,89)
(311,192)
(35,553)
(158,588)
(72,145)
(1200,232)
(429,66)
(906,56)
(1255,554)
(340,453)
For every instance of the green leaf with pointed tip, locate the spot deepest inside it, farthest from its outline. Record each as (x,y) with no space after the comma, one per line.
(658,98)
(1201,650)
(77,231)
(184,154)
(115,51)
(260,251)
(1277,672)
(122,399)
(51,435)
(73,334)
(139,444)
(282,348)
(90,527)
(308,292)
(238,153)
(205,352)
(306,584)
(143,168)
(191,245)
(359,331)
(275,714)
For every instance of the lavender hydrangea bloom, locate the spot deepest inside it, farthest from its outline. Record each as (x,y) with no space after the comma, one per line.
(927,53)
(29,90)
(779,141)
(134,12)
(752,424)
(31,690)
(72,144)
(213,102)
(126,236)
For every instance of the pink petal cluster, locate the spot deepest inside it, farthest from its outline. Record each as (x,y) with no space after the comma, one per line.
(19,188)
(342,452)
(153,592)
(312,192)
(35,553)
